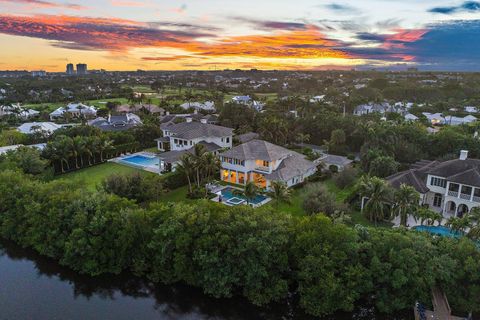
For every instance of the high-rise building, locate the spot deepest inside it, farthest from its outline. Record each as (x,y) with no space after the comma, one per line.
(70,69)
(82,69)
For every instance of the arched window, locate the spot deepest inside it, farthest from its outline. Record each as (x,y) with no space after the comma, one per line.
(437,200)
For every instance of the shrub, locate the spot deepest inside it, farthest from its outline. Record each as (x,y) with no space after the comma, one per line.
(134,186)
(333,168)
(345,178)
(319,200)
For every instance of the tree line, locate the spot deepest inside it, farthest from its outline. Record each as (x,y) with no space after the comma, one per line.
(262,254)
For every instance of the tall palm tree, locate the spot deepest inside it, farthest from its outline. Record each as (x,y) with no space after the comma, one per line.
(406,202)
(104,146)
(186,166)
(198,161)
(78,144)
(279,192)
(378,195)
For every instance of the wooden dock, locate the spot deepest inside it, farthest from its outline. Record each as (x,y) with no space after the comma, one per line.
(441,308)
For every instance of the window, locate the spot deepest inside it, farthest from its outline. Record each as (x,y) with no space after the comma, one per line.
(437,200)
(466,190)
(438,182)
(228,140)
(454,187)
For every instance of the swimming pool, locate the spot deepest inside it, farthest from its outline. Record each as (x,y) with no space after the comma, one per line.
(439,230)
(229,197)
(143,161)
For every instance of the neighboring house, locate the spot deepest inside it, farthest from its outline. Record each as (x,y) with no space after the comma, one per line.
(438,118)
(340,162)
(140,107)
(205,106)
(246,137)
(169,160)
(382,108)
(39,146)
(434,118)
(19,111)
(185,135)
(170,119)
(34,127)
(449,187)
(410,117)
(317,99)
(248,101)
(262,162)
(471,109)
(455,121)
(116,123)
(75,110)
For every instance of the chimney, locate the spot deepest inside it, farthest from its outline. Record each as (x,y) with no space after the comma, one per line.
(168,113)
(109,117)
(463,154)
(203,120)
(188,119)
(195,111)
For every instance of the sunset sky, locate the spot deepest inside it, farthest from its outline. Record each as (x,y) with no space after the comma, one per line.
(219,34)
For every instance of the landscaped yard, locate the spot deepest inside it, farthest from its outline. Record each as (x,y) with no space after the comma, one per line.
(93,176)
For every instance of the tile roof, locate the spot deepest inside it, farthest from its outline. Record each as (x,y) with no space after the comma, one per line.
(192,130)
(258,150)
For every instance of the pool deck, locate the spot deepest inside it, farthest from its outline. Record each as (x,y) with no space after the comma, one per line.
(153,169)
(217,189)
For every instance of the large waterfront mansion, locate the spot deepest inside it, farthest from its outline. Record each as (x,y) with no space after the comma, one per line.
(262,162)
(450,187)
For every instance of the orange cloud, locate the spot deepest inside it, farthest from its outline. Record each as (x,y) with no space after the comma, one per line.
(309,43)
(46,4)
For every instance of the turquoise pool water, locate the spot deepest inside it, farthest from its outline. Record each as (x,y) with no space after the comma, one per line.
(142,161)
(229,196)
(439,230)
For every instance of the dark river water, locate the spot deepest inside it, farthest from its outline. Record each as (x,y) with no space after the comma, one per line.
(37,288)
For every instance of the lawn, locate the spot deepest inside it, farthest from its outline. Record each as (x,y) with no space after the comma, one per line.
(294,207)
(93,176)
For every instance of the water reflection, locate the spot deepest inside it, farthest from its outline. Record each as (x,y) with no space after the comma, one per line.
(35,287)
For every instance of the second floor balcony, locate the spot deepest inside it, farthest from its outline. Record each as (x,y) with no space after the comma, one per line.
(263,169)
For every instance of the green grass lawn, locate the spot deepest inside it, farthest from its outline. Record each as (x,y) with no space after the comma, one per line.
(294,207)
(93,176)
(177,195)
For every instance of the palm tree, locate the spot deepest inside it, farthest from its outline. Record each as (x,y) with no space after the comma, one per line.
(458,224)
(378,195)
(211,165)
(186,166)
(406,202)
(198,161)
(78,144)
(279,192)
(250,191)
(104,146)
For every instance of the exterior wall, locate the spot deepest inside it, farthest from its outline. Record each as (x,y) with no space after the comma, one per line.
(224,142)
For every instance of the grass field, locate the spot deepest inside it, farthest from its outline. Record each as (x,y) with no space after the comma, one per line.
(91,177)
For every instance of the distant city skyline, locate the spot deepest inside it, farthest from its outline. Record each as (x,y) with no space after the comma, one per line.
(218,34)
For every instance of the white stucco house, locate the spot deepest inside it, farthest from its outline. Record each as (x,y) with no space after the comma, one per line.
(262,162)
(75,110)
(205,106)
(34,127)
(449,187)
(181,138)
(248,101)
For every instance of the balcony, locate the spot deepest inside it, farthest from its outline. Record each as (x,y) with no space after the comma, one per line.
(476,199)
(465,196)
(263,169)
(453,194)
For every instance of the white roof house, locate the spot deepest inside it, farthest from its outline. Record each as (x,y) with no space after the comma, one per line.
(75,109)
(32,127)
(207,105)
(438,118)
(434,118)
(317,99)
(410,117)
(248,101)
(471,109)
(16,109)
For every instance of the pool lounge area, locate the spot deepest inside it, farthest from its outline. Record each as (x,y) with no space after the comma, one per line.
(142,160)
(228,196)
